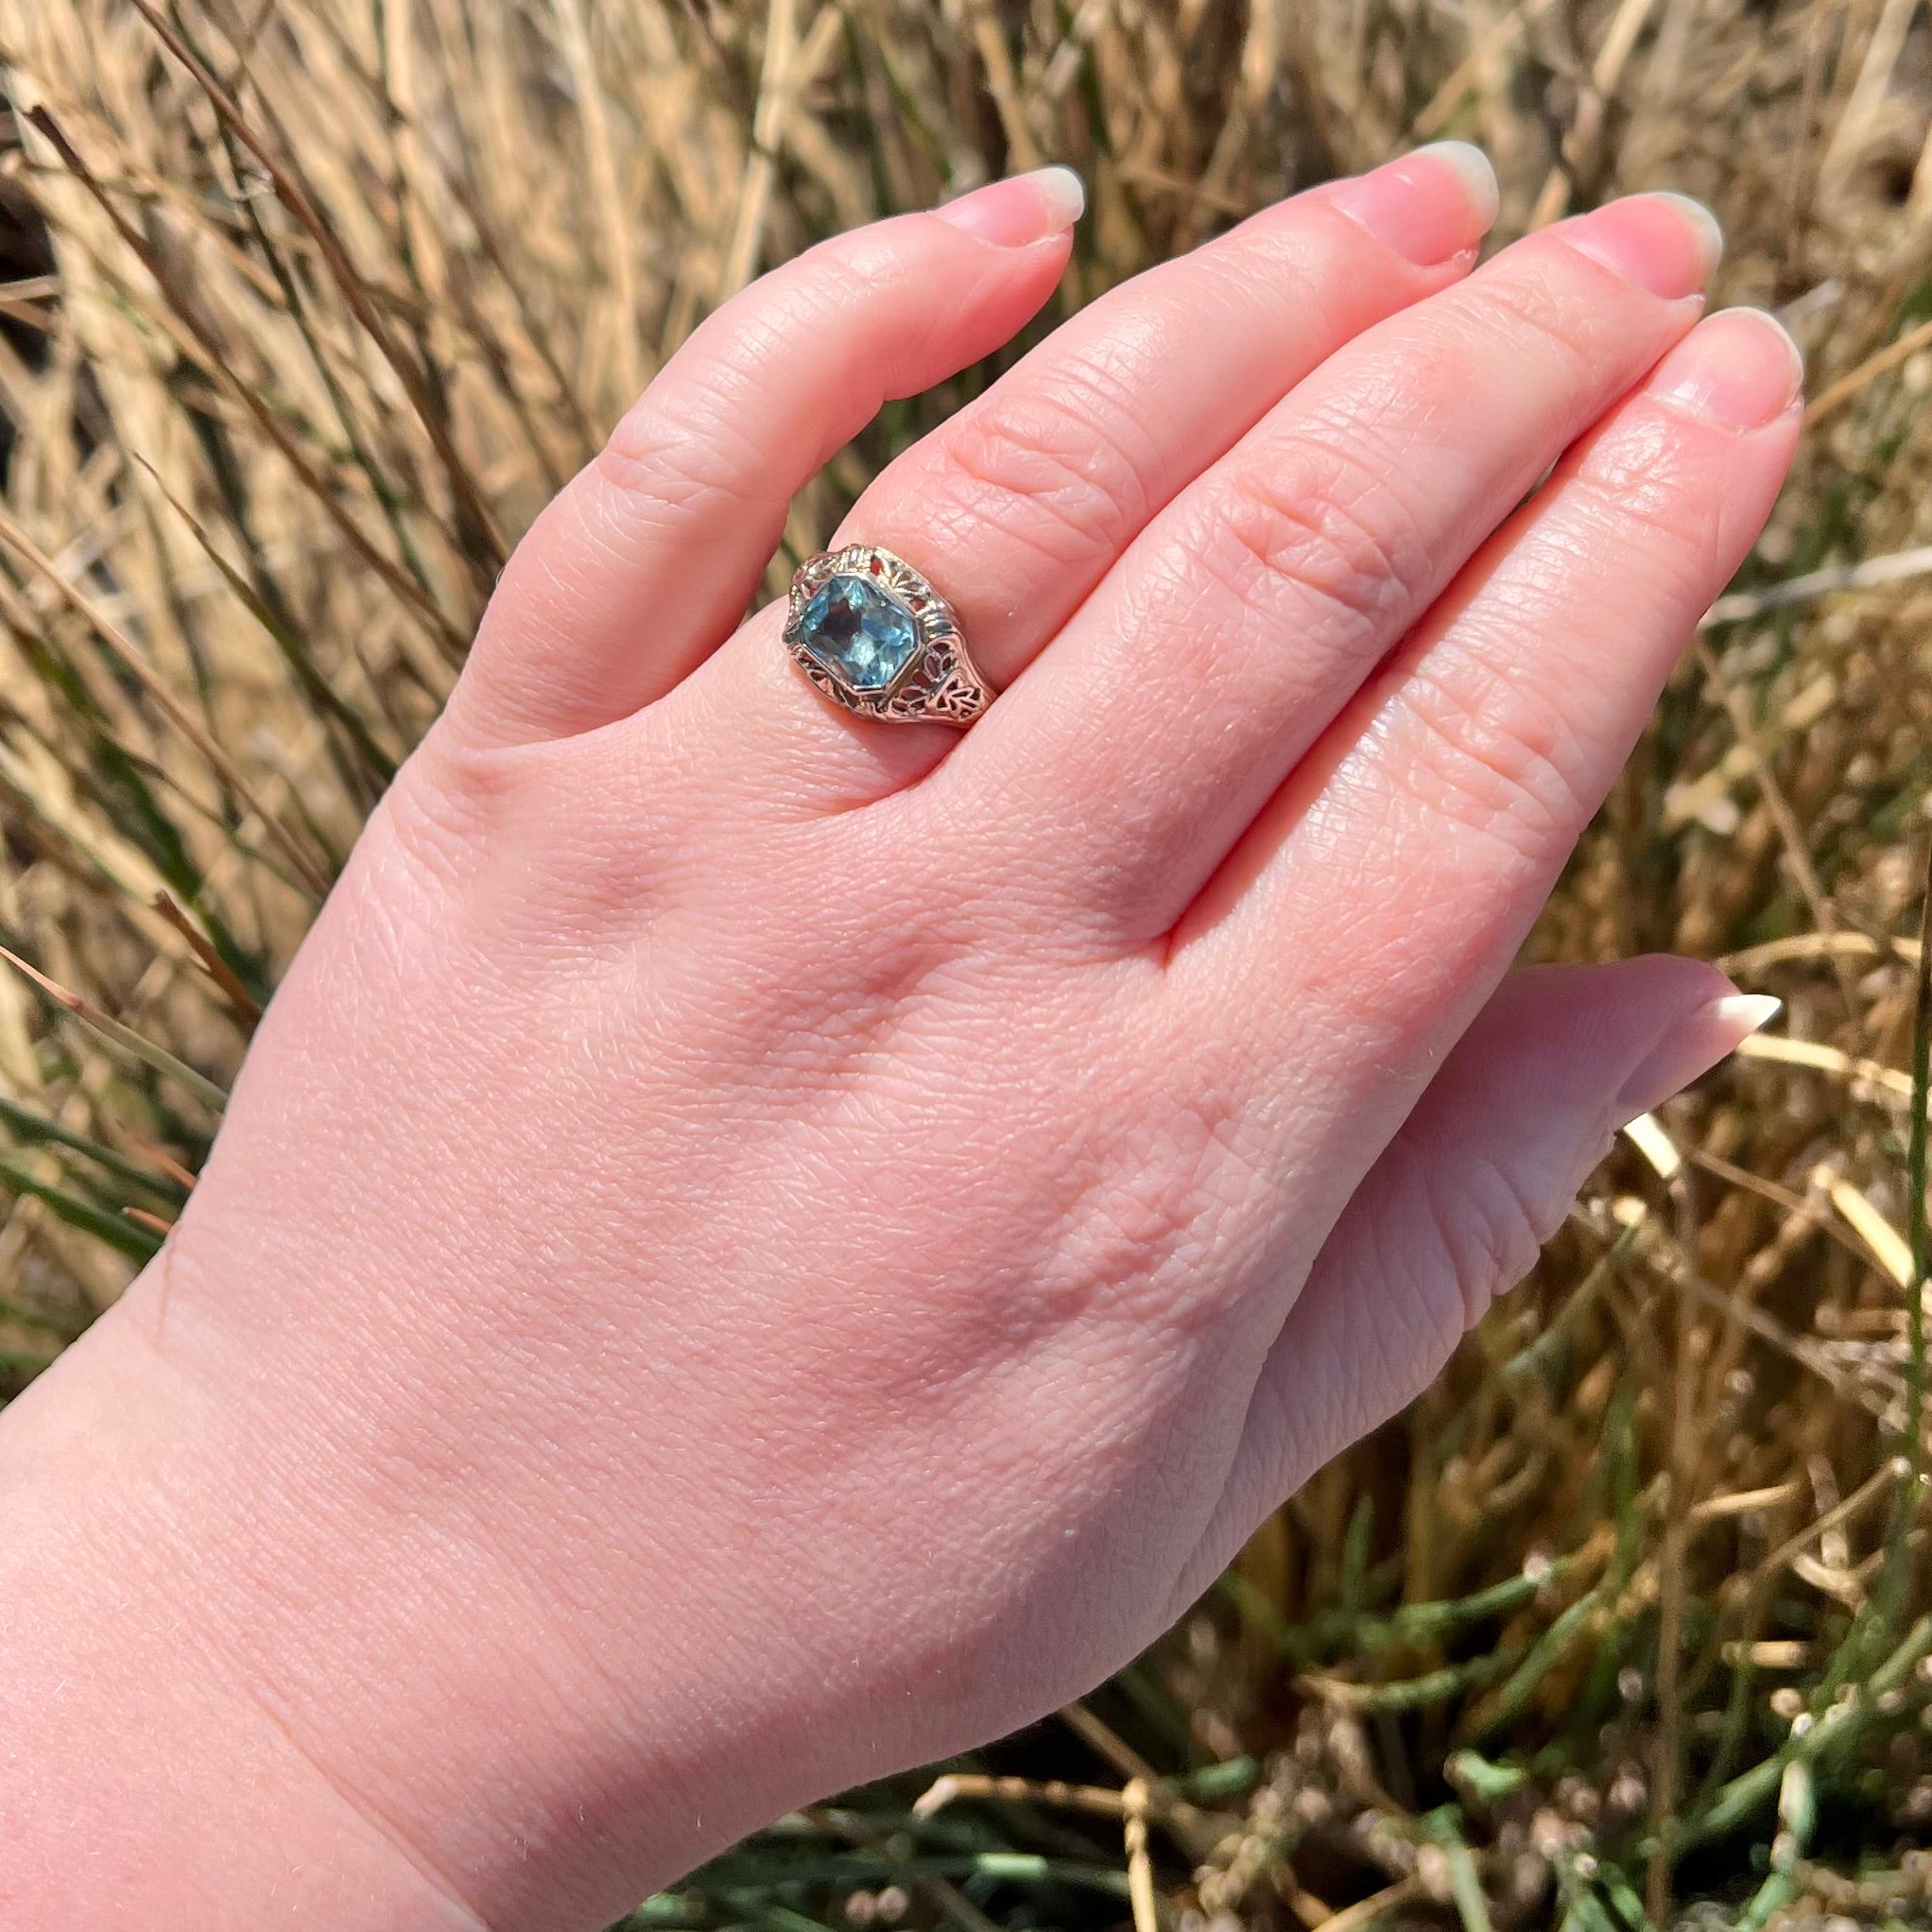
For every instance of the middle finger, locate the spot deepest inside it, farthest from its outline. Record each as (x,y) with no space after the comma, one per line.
(1135,752)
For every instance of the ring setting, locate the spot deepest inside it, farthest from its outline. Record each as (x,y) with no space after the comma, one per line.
(875,636)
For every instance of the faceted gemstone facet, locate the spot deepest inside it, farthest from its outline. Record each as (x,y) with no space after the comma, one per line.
(861,636)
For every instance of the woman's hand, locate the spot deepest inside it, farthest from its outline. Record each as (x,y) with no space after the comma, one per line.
(753,1247)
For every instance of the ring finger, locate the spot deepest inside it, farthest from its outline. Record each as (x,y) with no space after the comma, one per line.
(1020,504)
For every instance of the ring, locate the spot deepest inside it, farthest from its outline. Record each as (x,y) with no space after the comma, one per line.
(873,635)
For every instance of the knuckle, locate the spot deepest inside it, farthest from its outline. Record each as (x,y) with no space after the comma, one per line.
(1544,310)
(858,257)
(1164,1191)
(1492,1231)
(1063,473)
(657,464)
(462,816)
(447,806)
(699,438)
(1644,488)
(1494,760)
(1318,523)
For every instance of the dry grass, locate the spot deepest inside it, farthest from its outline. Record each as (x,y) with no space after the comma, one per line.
(1625,1612)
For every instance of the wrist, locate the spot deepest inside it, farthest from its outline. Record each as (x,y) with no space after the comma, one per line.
(237,1618)
(142,1781)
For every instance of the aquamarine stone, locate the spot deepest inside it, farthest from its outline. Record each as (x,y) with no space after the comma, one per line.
(860,635)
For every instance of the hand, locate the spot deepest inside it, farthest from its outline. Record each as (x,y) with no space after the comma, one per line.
(755,1248)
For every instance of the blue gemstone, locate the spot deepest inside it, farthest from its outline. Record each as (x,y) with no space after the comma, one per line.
(862,636)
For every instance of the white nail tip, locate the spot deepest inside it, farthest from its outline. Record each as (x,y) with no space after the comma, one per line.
(1473,165)
(1710,230)
(1764,319)
(1064,193)
(1746,1013)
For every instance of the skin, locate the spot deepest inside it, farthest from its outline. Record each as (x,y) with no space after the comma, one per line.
(755,1248)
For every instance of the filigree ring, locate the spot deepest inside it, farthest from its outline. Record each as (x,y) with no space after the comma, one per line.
(873,635)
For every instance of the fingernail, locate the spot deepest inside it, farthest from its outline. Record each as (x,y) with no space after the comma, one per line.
(1691,1046)
(1021,209)
(1667,243)
(1429,206)
(1739,370)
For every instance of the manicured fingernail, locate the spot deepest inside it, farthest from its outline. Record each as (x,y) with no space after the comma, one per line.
(1738,369)
(1665,243)
(1430,206)
(1691,1046)
(1021,209)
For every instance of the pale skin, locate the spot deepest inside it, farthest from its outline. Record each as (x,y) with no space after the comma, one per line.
(755,1247)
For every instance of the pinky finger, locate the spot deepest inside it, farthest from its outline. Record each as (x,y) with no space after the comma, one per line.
(1454,1210)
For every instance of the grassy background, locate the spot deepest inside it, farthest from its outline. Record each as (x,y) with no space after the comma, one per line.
(305,307)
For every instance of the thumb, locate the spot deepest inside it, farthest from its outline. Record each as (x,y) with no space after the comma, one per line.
(1454,1211)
